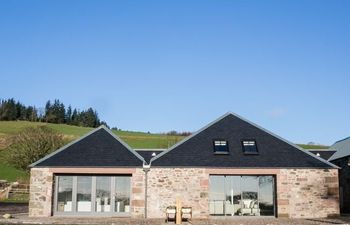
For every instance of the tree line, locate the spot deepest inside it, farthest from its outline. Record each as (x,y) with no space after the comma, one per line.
(54,112)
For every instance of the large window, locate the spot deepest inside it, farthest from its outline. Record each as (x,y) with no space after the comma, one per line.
(92,194)
(241,195)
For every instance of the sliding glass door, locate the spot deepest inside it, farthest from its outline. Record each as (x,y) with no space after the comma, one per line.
(241,195)
(103,194)
(64,193)
(122,194)
(84,193)
(92,195)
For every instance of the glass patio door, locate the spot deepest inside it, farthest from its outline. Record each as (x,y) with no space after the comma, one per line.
(84,193)
(217,195)
(266,195)
(103,194)
(241,195)
(122,195)
(92,195)
(64,193)
(233,195)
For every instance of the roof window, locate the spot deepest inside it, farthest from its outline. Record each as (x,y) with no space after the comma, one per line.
(220,147)
(249,147)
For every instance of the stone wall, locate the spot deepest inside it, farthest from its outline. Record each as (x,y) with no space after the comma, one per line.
(41,188)
(167,184)
(344,183)
(307,193)
(301,193)
(138,194)
(40,197)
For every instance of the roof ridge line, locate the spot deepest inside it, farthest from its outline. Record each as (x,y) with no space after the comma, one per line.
(123,143)
(189,137)
(286,141)
(83,137)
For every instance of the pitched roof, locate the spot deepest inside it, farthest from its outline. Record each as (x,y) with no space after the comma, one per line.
(98,148)
(323,153)
(342,147)
(274,151)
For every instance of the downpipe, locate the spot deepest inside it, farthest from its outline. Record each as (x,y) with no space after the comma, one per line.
(146,169)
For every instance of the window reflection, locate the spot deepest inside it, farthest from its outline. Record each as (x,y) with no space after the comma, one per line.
(217,195)
(84,194)
(241,195)
(122,194)
(266,195)
(103,194)
(64,196)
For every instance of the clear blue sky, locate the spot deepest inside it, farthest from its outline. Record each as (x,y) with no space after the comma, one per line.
(177,65)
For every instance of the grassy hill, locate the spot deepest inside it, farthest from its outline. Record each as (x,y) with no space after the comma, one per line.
(313,146)
(132,138)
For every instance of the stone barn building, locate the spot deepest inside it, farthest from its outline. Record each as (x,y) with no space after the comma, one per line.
(231,167)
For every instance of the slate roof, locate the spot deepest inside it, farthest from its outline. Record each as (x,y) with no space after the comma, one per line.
(99,148)
(324,154)
(342,147)
(147,153)
(274,152)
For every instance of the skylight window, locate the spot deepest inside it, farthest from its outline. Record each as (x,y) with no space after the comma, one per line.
(249,147)
(220,147)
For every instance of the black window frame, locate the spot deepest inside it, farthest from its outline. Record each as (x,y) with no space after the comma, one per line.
(249,152)
(220,152)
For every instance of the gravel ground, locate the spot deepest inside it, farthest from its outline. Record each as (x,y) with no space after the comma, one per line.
(8,207)
(24,219)
(20,214)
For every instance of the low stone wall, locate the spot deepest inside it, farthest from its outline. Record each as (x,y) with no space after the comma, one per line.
(40,196)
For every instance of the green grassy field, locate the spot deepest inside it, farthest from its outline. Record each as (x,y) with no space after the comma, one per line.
(313,146)
(132,138)
(10,173)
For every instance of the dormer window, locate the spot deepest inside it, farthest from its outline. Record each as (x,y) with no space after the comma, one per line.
(220,147)
(249,147)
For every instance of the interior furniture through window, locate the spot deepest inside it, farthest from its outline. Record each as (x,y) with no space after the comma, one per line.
(241,195)
(91,194)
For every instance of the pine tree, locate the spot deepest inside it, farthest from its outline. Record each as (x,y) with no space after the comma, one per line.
(69,115)
(48,111)
(75,117)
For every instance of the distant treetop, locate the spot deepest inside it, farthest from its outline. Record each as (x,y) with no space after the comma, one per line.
(54,112)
